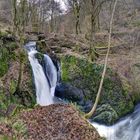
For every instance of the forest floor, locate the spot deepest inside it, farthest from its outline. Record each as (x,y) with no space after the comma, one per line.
(54,122)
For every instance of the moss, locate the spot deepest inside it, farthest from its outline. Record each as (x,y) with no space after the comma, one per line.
(76,48)
(65,77)
(135,82)
(6,54)
(105,114)
(86,76)
(20,129)
(12,46)
(136,23)
(3,61)
(100,45)
(13,86)
(39,56)
(6,137)
(3,34)
(3,68)
(71,62)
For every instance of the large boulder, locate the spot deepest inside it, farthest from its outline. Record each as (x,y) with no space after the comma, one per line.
(66,91)
(85,77)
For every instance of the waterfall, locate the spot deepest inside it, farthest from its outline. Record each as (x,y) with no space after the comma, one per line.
(126,129)
(51,73)
(45,79)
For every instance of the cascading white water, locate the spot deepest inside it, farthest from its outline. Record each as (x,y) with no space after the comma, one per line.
(126,129)
(45,87)
(51,73)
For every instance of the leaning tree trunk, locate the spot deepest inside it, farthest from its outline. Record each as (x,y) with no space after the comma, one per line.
(21,66)
(88,115)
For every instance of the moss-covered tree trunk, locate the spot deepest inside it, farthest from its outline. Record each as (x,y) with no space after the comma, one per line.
(77,15)
(15,22)
(21,67)
(76,5)
(19,20)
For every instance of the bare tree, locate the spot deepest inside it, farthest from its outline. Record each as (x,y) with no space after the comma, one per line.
(75,6)
(93,8)
(42,12)
(5,11)
(19,18)
(55,10)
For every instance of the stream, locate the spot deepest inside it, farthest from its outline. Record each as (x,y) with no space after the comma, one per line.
(128,128)
(45,78)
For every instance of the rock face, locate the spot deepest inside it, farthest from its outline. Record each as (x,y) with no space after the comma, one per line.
(85,77)
(57,122)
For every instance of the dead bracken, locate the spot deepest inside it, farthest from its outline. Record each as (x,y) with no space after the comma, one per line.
(58,122)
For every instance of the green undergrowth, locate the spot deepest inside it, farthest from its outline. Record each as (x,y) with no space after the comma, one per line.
(6,53)
(18,129)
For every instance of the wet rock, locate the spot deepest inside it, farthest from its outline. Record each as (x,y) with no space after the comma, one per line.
(66,91)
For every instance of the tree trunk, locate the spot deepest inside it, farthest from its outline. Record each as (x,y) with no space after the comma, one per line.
(21,65)
(78,28)
(18,89)
(14,2)
(92,53)
(76,10)
(52,21)
(19,18)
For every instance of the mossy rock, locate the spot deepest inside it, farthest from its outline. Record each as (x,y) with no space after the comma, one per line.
(86,76)
(4,56)
(40,57)
(105,114)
